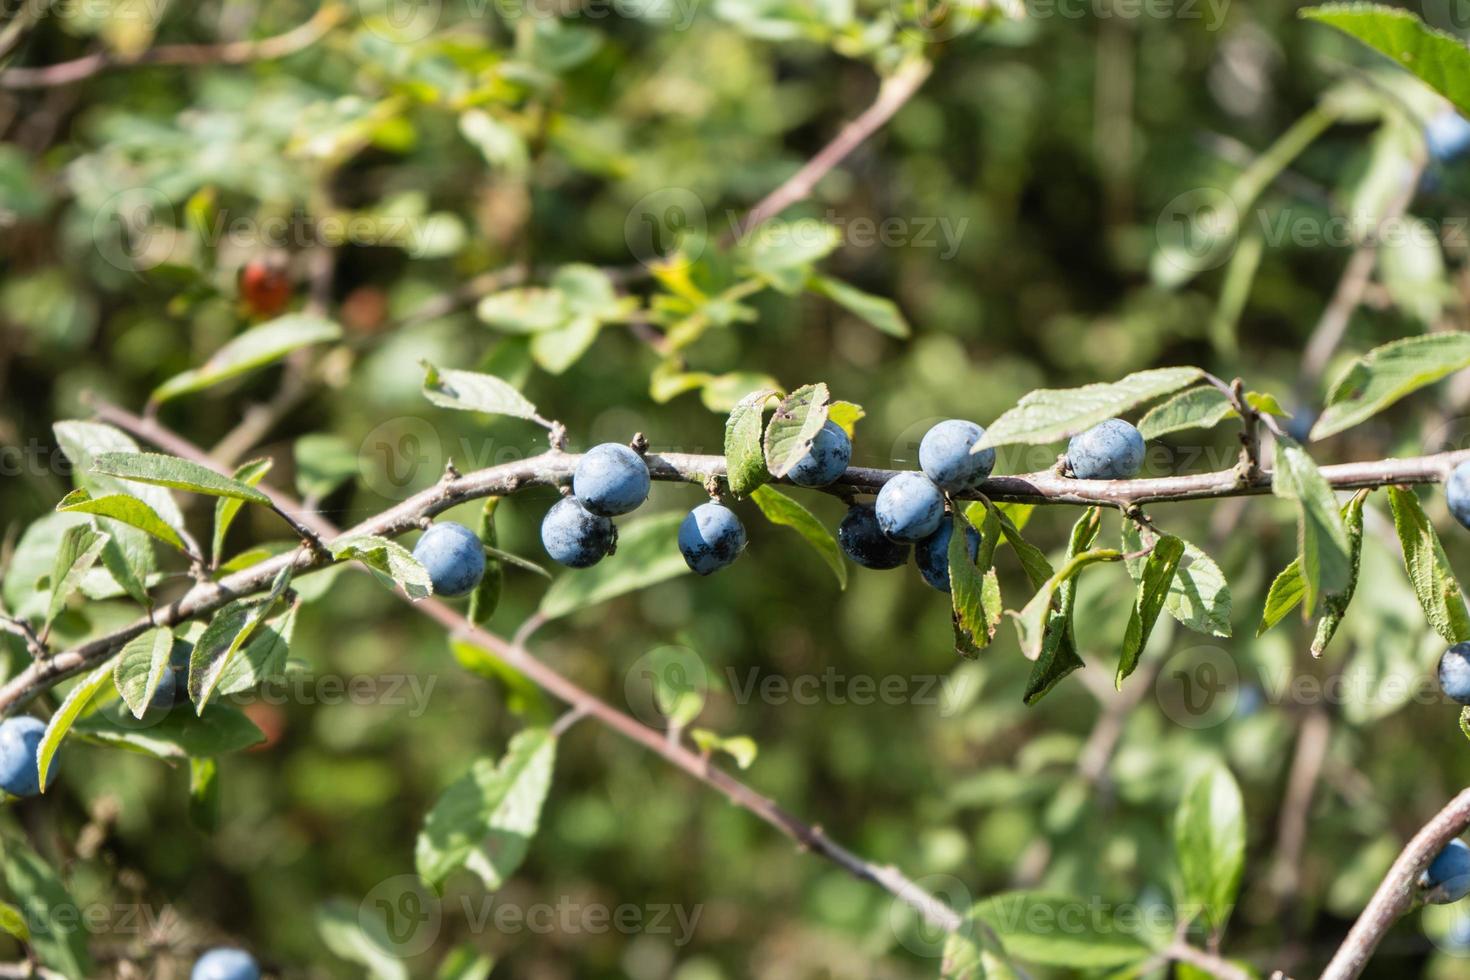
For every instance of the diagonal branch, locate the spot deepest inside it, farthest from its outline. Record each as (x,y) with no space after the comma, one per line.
(233,53)
(582,702)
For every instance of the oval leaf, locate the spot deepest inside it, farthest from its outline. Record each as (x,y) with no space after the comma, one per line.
(252,349)
(176,474)
(470,391)
(781,509)
(1051,414)
(798,419)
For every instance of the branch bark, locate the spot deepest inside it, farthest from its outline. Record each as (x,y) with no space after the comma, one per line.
(234,53)
(581,702)
(1395,894)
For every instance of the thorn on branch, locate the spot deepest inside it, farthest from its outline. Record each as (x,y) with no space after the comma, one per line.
(451,472)
(34,644)
(639,444)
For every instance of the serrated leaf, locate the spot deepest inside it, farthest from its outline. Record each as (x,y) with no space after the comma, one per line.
(252,349)
(1033,560)
(1385,374)
(77,699)
(176,474)
(229,630)
(1266,404)
(648,553)
(781,509)
(1429,570)
(141,665)
(263,657)
(1209,844)
(1284,595)
(878,312)
(81,546)
(1321,537)
(226,508)
(127,509)
(1196,408)
(1058,930)
(973,599)
(1199,597)
(972,952)
(58,934)
(1154,584)
(1048,414)
(1336,604)
(470,391)
(745,461)
(1440,60)
(798,419)
(486,597)
(484,821)
(82,441)
(388,557)
(741,748)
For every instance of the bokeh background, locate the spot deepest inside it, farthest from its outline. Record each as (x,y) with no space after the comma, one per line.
(1020,210)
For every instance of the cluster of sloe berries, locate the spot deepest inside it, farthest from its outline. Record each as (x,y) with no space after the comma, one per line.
(909,512)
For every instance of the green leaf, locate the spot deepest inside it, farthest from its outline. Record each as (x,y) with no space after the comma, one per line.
(1465,721)
(140,667)
(1284,595)
(1057,930)
(846,416)
(745,462)
(77,699)
(798,419)
(781,509)
(486,596)
(1335,605)
(1412,268)
(1059,656)
(1033,560)
(1385,374)
(388,557)
(1321,537)
(252,349)
(1429,570)
(465,962)
(58,934)
(128,558)
(1153,591)
(525,310)
(469,391)
(648,553)
(1048,415)
(1266,404)
(81,546)
(880,313)
(974,605)
(1209,844)
(777,249)
(524,699)
(263,657)
(225,508)
(204,794)
(1032,621)
(176,474)
(556,350)
(1440,60)
(1196,408)
(357,934)
(484,821)
(13,922)
(972,952)
(229,630)
(126,508)
(82,441)
(741,748)
(178,735)
(323,463)
(1199,597)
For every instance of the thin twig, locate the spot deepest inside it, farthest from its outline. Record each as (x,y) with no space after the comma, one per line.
(896,90)
(1395,894)
(26,632)
(201,599)
(1312,741)
(233,53)
(1215,966)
